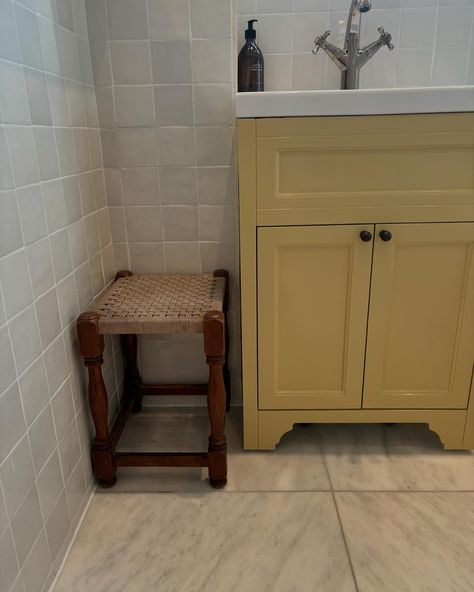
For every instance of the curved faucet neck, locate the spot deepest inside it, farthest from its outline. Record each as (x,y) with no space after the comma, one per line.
(353,21)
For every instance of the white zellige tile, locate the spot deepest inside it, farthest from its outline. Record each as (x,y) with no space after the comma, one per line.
(41,266)
(57,526)
(127,19)
(10,228)
(26,524)
(171,61)
(7,366)
(25,338)
(131,62)
(37,565)
(13,94)
(174,105)
(8,561)
(168,19)
(12,422)
(9,45)
(50,484)
(17,475)
(16,284)
(34,390)
(42,438)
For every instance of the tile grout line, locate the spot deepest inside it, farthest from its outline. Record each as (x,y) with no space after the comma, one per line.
(344,538)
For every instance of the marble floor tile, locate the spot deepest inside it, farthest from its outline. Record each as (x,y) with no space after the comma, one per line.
(399,457)
(410,542)
(218,542)
(296,465)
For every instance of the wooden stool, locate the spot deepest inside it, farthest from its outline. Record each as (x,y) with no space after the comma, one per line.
(139,304)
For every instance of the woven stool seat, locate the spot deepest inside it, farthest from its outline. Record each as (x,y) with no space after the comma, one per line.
(160,303)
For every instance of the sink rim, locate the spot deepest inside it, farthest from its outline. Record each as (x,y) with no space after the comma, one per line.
(378,101)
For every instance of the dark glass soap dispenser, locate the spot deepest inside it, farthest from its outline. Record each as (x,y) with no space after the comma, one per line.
(251,65)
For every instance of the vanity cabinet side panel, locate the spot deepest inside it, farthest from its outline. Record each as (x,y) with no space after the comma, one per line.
(248,278)
(468,443)
(420,345)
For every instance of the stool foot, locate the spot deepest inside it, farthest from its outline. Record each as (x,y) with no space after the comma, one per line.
(218,483)
(137,407)
(106,484)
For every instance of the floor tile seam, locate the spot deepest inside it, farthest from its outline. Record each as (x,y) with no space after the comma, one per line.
(325,463)
(201,493)
(346,545)
(405,491)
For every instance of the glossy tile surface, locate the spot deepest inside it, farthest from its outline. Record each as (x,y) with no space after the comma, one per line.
(410,541)
(218,541)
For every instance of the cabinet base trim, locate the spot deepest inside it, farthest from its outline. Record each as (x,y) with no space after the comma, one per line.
(448,425)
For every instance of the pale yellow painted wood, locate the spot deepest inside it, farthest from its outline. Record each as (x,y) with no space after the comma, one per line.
(468,442)
(262,428)
(420,346)
(313,290)
(356,125)
(248,278)
(366,215)
(448,424)
(365,162)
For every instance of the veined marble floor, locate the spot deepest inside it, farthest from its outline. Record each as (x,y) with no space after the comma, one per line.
(334,509)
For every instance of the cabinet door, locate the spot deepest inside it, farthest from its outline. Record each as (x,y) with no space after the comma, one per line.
(313,289)
(420,349)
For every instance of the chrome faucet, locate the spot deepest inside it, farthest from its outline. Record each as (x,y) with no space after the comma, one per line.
(352,58)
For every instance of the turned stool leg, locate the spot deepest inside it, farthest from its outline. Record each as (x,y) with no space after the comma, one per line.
(225,305)
(91,345)
(132,379)
(214,347)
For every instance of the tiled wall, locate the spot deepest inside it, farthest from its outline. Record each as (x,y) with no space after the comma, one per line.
(434,41)
(55,255)
(163,75)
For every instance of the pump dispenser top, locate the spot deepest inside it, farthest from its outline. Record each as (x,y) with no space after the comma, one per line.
(251,63)
(251,33)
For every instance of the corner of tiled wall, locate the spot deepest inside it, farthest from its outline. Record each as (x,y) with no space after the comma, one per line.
(56,255)
(165,97)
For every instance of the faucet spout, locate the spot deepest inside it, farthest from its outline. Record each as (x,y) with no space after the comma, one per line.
(352,58)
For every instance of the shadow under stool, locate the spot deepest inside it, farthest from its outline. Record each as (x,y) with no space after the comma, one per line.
(152,304)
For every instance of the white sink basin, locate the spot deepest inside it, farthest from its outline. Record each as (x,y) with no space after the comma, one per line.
(444,99)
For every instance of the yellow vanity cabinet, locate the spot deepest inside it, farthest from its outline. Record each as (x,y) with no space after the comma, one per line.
(420,345)
(313,297)
(315,322)
(357,273)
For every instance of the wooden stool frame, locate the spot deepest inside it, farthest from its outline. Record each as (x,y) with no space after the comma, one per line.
(105,458)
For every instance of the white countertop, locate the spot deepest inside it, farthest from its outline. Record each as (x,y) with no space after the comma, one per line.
(446,99)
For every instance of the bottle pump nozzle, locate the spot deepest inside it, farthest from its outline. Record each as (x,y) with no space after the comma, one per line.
(250,33)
